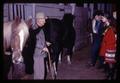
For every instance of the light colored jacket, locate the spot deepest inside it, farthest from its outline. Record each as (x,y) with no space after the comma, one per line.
(40,44)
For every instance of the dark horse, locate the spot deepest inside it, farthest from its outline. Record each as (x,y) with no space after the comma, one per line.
(14,38)
(69,35)
(61,34)
(54,33)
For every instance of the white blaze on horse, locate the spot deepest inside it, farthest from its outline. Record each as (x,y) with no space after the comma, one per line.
(15,35)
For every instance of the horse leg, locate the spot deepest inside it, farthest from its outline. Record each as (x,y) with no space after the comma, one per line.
(69,54)
(68,59)
(60,57)
(47,65)
(58,52)
(55,69)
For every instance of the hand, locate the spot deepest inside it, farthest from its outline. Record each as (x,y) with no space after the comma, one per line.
(45,49)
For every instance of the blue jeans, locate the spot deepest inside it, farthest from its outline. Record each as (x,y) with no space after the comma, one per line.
(95,49)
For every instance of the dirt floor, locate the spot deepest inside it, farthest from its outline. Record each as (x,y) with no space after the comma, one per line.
(77,70)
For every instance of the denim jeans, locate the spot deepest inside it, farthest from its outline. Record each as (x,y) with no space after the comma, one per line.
(95,49)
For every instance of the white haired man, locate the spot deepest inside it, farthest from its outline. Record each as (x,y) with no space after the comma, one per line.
(40,47)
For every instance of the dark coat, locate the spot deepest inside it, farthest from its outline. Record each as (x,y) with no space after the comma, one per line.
(28,52)
(30,44)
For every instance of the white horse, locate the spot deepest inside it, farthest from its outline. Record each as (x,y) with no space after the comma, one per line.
(15,35)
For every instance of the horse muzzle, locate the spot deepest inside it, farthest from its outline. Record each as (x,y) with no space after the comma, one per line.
(17,57)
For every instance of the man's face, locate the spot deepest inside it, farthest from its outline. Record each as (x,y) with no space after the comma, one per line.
(40,21)
(98,17)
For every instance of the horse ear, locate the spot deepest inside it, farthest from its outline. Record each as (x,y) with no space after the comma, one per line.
(16,22)
(17,19)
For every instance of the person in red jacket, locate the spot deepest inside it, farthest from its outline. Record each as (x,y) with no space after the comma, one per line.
(108,47)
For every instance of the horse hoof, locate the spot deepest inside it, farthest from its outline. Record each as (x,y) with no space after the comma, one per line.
(68,60)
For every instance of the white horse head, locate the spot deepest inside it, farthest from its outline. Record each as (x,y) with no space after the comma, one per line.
(15,37)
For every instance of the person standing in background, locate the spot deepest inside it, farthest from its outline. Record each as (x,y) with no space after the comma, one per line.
(108,47)
(97,28)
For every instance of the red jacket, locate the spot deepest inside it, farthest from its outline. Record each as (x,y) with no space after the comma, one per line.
(108,42)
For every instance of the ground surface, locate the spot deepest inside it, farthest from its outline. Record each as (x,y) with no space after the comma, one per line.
(78,70)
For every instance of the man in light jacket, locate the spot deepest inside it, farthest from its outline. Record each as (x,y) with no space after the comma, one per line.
(40,48)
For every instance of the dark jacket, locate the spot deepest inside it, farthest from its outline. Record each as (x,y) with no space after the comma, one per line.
(29,47)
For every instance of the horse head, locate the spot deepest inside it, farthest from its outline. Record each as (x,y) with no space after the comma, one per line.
(19,36)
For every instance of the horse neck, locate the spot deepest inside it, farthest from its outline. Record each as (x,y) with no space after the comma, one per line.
(24,33)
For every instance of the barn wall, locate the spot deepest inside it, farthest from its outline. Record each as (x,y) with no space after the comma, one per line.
(53,10)
(80,22)
(29,9)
